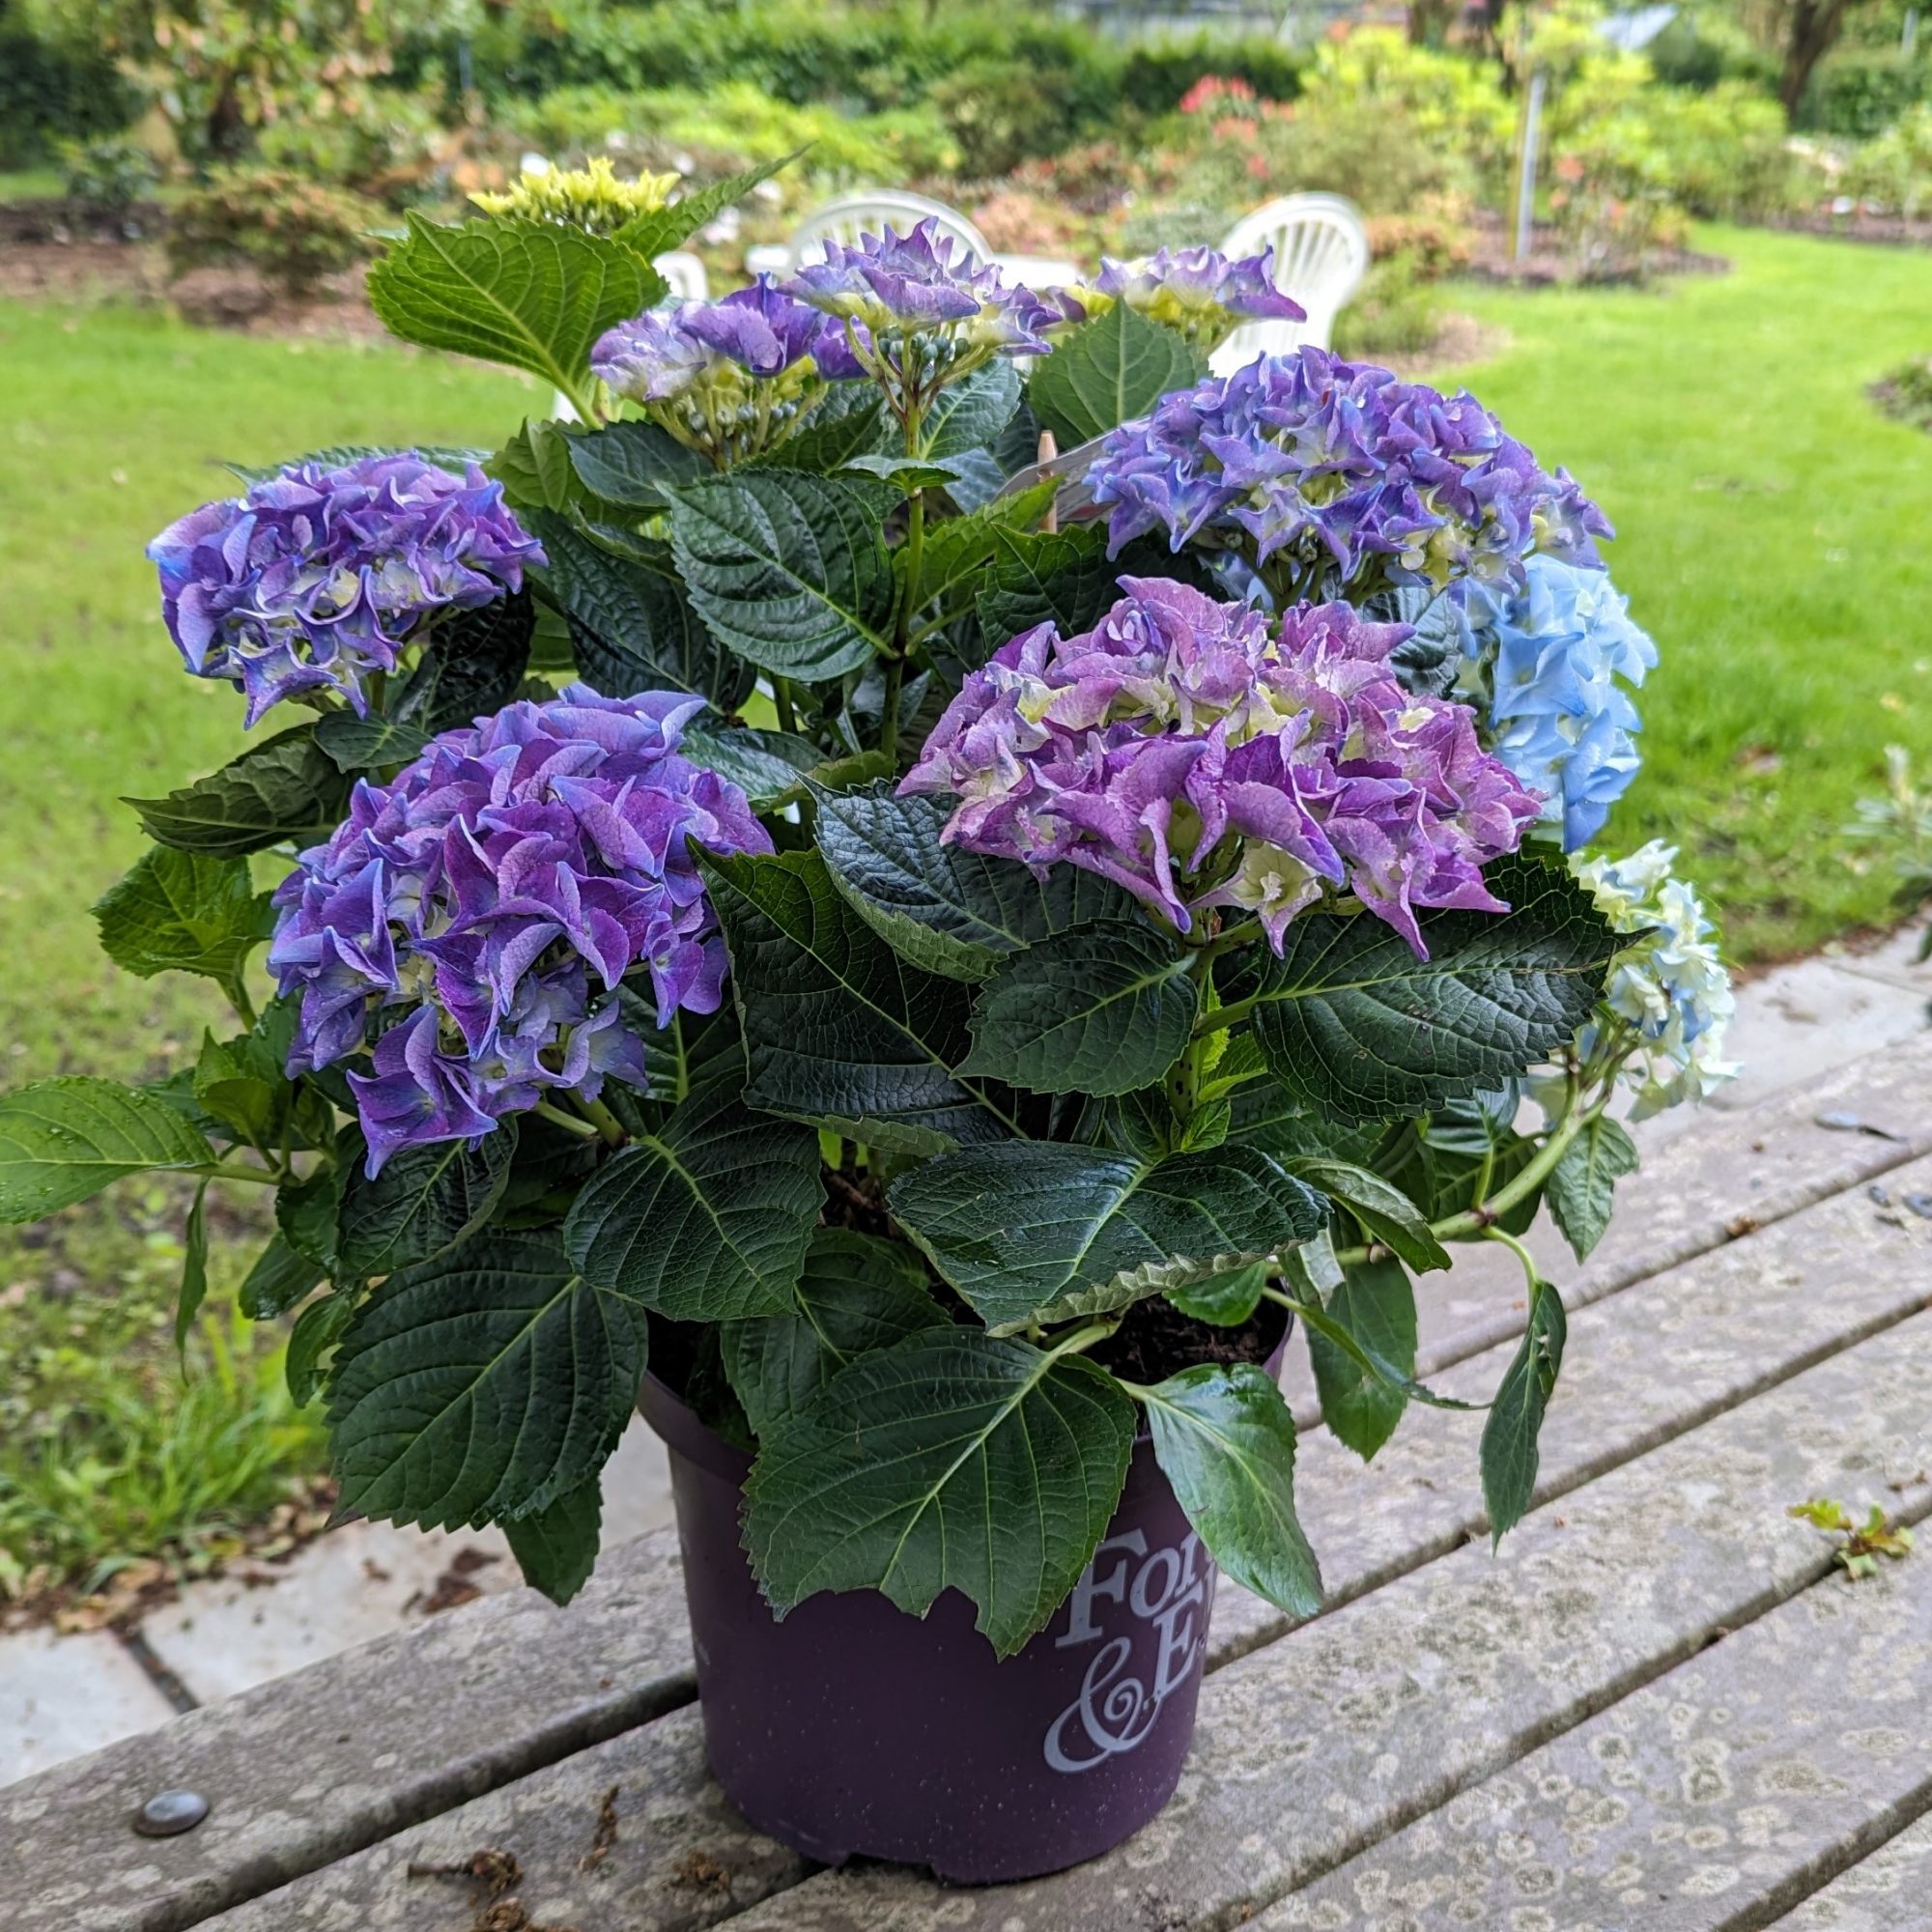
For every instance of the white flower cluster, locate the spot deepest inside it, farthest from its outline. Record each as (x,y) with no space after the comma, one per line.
(1670,984)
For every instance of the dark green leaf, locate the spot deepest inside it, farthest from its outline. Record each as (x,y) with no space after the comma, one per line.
(1045,576)
(856,1294)
(1582,1185)
(1227,1300)
(194,1268)
(789,569)
(1376,1305)
(536,471)
(1509,1454)
(285,787)
(951,911)
(632,462)
(1000,1492)
(481,1385)
(364,744)
(1358,1026)
(1225,1439)
(279,1279)
(849,421)
(317,1330)
(471,665)
(555,1546)
(970,415)
(1385,1212)
(422,1202)
(707,1220)
(842,1032)
(664,228)
(63,1139)
(535,294)
(768,767)
(908,474)
(305,1213)
(1108,372)
(1032,1230)
(957,549)
(1101,1010)
(183,912)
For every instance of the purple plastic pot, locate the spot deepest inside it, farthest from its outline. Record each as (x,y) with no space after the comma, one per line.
(854,1728)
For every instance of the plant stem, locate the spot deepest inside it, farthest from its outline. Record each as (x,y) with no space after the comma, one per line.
(220,1170)
(569,1123)
(237,998)
(889,722)
(601,1118)
(1224,1019)
(782,705)
(1226,942)
(1521,1253)
(1083,1339)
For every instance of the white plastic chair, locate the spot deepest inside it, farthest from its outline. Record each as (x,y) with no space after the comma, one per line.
(1321,255)
(852,215)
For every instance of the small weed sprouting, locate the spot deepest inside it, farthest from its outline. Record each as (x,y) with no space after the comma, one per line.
(1864,1542)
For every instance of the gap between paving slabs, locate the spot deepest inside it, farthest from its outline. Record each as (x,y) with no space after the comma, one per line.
(1889,1892)
(662,1770)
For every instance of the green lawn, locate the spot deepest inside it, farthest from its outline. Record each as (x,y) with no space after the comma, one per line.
(1772,539)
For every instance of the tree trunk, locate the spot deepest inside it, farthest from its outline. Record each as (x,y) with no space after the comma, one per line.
(1815,25)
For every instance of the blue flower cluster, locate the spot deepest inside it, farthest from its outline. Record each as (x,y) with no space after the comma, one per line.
(1548,657)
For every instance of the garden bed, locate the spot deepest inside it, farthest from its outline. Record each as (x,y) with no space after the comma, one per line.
(1549,264)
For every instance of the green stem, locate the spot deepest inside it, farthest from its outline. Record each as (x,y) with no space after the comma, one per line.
(1225,1018)
(782,705)
(600,1117)
(588,416)
(237,998)
(889,720)
(1521,1253)
(221,1169)
(569,1123)
(1083,1339)
(1226,942)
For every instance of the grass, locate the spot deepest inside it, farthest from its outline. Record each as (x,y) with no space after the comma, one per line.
(1771,538)
(110,424)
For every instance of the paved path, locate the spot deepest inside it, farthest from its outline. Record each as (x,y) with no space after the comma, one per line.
(1658,1707)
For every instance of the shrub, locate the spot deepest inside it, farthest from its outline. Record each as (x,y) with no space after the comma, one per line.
(389,145)
(1093,177)
(1894,172)
(49,93)
(1003,112)
(111,172)
(1396,311)
(1860,95)
(1613,204)
(1725,152)
(295,233)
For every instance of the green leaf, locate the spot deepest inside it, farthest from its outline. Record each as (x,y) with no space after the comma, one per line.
(194,1270)
(1000,1492)
(849,421)
(183,912)
(1108,372)
(958,549)
(63,1139)
(1105,1010)
(1225,1439)
(555,1546)
(1040,1231)
(481,1385)
(705,1220)
(1386,1213)
(317,1330)
(841,1031)
(1376,1305)
(769,767)
(856,1294)
(1046,577)
(285,787)
(1358,1026)
(242,1090)
(908,474)
(630,464)
(279,1279)
(422,1202)
(535,294)
(664,228)
(305,1213)
(632,628)
(471,665)
(789,569)
(951,911)
(355,744)
(969,415)
(340,454)
(1509,1452)
(536,471)
(1227,1300)
(1582,1185)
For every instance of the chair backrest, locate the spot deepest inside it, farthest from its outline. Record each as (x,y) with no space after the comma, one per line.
(685,274)
(1321,255)
(854,214)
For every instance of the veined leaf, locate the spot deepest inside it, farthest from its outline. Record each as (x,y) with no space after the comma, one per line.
(183,912)
(850,420)
(631,463)
(1108,372)
(1045,576)
(841,1031)
(1509,1452)
(1227,1300)
(316,1331)
(279,1279)
(664,228)
(1104,1009)
(769,767)
(534,467)
(705,1220)
(480,1385)
(285,787)
(1000,1492)
(1040,1231)
(1225,1439)
(471,665)
(305,1213)
(1376,1305)
(355,744)
(535,294)
(423,1201)
(856,1294)
(970,415)
(1383,1209)
(555,1546)
(951,911)
(1582,1185)
(789,569)
(1354,1024)
(194,1268)
(957,551)
(63,1139)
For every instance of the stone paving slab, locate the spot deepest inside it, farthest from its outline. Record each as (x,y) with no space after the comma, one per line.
(1310,1748)
(1741,1779)
(366,1580)
(60,1696)
(328,1760)
(1806,1021)
(1314,1747)
(1889,1891)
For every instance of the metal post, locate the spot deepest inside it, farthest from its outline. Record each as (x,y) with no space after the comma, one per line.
(1908,33)
(1526,186)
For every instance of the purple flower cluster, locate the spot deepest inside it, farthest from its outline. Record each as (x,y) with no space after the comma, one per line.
(319,575)
(1333,475)
(1199,293)
(474,916)
(1201,758)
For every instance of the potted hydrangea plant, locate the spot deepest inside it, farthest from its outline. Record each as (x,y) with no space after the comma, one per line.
(922,959)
